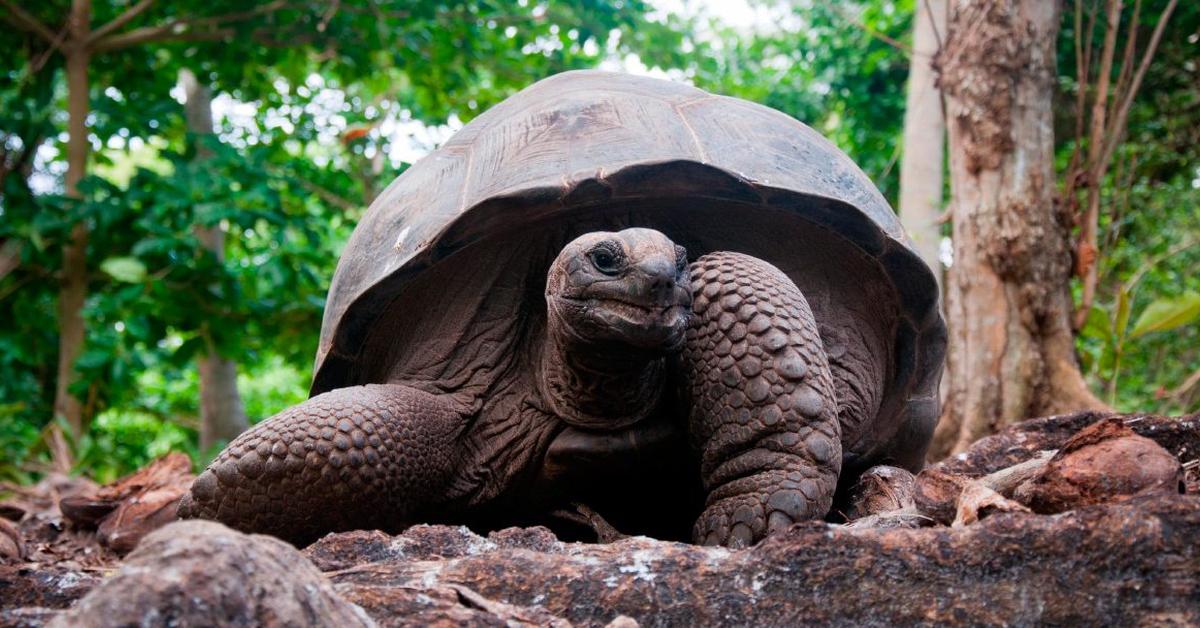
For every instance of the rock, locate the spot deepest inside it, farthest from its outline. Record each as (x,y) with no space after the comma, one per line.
(26,617)
(346,549)
(43,586)
(360,545)
(1104,462)
(444,605)
(199,573)
(130,508)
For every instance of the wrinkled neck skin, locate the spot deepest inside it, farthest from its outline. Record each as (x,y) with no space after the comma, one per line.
(596,386)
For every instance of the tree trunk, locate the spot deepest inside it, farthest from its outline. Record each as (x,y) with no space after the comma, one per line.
(73,287)
(1008,302)
(222,415)
(924,136)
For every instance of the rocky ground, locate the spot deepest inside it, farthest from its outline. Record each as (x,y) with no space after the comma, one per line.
(1076,519)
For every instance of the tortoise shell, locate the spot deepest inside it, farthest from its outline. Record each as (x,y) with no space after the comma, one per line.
(442,279)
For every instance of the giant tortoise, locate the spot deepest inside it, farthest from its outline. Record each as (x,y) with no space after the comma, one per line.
(688,313)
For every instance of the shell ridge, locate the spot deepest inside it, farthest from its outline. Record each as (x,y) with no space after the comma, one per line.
(466,180)
(691,131)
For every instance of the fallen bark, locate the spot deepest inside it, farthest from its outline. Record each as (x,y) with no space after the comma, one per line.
(12,546)
(1131,561)
(978,501)
(1007,569)
(881,489)
(1021,442)
(1104,462)
(132,507)
(939,495)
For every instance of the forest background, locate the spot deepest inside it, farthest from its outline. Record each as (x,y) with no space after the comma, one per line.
(178,178)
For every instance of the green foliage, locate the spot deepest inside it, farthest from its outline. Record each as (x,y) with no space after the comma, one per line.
(1141,342)
(286,181)
(1149,226)
(1166,314)
(118,444)
(1107,337)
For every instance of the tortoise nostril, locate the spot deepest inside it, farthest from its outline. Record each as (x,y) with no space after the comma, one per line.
(659,278)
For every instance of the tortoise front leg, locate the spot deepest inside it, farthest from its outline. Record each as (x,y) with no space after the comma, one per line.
(763,412)
(353,458)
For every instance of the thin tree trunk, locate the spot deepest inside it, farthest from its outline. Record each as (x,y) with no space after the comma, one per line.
(222,415)
(1106,134)
(73,287)
(924,137)
(1008,301)
(1089,248)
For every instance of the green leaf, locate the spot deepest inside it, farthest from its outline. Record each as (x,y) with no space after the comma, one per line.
(127,269)
(1167,314)
(1124,310)
(1098,325)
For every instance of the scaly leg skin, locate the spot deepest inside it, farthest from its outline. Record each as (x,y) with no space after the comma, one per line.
(763,412)
(359,457)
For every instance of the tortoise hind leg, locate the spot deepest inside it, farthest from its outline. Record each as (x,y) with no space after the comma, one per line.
(358,457)
(763,412)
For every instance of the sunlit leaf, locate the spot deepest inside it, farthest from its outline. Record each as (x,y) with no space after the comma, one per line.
(1167,314)
(127,269)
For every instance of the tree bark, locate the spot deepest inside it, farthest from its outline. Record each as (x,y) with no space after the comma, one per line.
(73,287)
(1008,302)
(222,415)
(924,137)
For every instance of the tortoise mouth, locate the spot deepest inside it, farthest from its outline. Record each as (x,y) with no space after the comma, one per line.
(643,325)
(629,307)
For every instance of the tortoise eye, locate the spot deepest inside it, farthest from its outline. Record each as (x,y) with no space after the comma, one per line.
(607,258)
(680,258)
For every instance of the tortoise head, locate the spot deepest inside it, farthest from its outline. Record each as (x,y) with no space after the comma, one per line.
(624,290)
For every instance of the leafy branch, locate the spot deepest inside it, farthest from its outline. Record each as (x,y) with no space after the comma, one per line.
(23,20)
(196,29)
(1107,129)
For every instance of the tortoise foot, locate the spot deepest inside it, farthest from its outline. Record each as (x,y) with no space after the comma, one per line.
(764,412)
(353,458)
